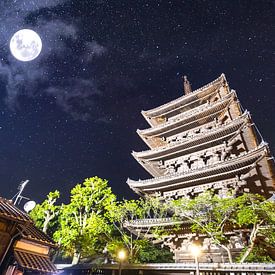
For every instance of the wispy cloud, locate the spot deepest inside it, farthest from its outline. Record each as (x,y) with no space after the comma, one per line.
(76,96)
(74,92)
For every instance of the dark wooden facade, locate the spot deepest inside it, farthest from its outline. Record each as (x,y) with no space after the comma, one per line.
(23,247)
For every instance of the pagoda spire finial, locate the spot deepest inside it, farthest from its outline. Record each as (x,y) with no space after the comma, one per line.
(186,86)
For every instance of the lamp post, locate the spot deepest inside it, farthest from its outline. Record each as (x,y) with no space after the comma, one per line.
(195,251)
(121,257)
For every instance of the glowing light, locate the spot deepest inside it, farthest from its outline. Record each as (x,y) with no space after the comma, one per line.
(195,250)
(121,255)
(25,45)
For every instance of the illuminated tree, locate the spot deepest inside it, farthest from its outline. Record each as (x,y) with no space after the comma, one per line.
(45,214)
(124,213)
(84,227)
(212,215)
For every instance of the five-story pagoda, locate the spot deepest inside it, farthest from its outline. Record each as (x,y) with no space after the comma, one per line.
(202,140)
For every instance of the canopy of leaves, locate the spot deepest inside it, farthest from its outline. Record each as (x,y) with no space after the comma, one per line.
(45,215)
(213,215)
(84,227)
(126,211)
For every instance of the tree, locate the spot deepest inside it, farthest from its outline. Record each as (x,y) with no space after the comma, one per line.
(45,214)
(208,214)
(122,214)
(93,220)
(150,253)
(213,215)
(257,214)
(84,227)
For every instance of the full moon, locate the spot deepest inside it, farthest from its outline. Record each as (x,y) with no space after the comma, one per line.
(25,45)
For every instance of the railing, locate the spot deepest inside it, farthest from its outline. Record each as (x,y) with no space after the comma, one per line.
(214,267)
(153,221)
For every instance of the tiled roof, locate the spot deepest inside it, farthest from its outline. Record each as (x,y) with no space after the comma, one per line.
(34,234)
(29,231)
(35,262)
(11,212)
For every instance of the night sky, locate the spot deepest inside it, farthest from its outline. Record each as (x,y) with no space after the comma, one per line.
(73,112)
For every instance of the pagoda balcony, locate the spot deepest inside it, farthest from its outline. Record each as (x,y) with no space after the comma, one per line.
(184,122)
(185,99)
(154,222)
(236,165)
(194,190)
(217,133)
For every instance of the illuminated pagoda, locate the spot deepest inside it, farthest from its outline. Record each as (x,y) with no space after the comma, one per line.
(202,140)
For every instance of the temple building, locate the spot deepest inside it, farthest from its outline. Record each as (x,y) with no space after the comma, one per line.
(24,249)
(202,140)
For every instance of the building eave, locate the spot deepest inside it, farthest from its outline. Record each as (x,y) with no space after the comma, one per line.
(169,125)
(162,152)
(183,99)
(193,176)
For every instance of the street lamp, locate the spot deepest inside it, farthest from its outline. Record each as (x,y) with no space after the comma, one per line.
(121,257)
(195,251)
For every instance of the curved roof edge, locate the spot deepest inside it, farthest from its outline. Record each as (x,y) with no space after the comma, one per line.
(150,112)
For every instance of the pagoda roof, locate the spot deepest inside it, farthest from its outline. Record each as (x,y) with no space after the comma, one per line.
(192,143)
(223,169)
(187,122)
(185,99)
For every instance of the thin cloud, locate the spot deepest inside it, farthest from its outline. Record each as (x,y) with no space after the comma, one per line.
(75,93)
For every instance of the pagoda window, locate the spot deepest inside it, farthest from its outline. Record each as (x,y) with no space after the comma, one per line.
(210,127)
(215,99)
(205,159)
(197,131)
(170,169)
(224,119)
(190,163)
(161,162)
(176,166)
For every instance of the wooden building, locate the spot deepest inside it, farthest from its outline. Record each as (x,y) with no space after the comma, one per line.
(202,140)
(23,247)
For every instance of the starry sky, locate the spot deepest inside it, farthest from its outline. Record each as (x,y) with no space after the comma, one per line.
(73,112)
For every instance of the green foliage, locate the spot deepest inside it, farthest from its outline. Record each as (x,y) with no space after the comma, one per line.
(123,213)
(211,214)
(84,226)
(257,255)
(149,253)
(45,215)
(145,251)
(208,214)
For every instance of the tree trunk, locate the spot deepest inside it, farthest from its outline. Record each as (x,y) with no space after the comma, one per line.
(45,226)
(228,253)
(76,258)
(131,249)
(252,243)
